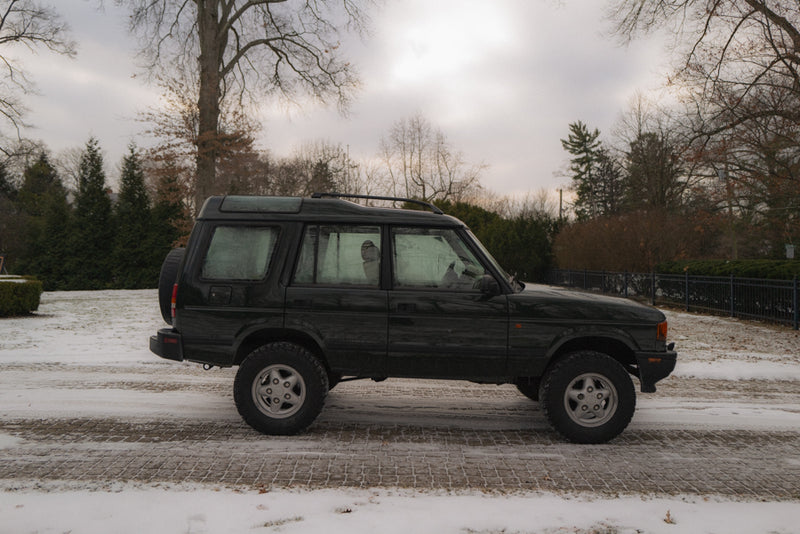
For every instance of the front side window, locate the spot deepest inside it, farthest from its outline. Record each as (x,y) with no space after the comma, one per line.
(434,258)
(239,253)
(340,255)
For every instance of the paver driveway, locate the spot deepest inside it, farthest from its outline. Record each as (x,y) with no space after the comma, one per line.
(73,417)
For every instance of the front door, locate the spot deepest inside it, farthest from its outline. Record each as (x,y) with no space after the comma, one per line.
(440,323)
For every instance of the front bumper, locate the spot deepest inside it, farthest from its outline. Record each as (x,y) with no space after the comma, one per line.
(168,344)
(654,366)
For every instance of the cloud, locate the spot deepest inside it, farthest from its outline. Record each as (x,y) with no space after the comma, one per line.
(502,79)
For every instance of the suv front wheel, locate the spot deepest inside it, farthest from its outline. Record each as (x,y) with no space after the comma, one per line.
(588,397)
(280,389)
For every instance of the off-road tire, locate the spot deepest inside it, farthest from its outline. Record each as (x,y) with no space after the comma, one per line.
(280,389)
(529,387)
(588,397)
(167,279)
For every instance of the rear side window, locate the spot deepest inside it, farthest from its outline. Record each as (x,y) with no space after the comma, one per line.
(340,255)
(239,253)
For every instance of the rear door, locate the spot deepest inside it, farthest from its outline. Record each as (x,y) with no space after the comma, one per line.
(231,288)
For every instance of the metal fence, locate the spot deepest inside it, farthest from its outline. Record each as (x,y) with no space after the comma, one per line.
(749,298)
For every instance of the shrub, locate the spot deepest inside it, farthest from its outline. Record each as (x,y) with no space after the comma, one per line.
(766,269)
(635,241)
(19,296)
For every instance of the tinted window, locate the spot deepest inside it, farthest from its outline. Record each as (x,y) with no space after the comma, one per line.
(239,253)
(433,258)
(340,255)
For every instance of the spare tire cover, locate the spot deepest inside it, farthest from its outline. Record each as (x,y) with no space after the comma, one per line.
(167,279)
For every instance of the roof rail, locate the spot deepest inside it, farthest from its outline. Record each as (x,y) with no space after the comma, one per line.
(428,205)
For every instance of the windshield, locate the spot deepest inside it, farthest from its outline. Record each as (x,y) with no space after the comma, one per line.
(515,284)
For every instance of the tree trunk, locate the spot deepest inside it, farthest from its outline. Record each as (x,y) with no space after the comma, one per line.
(208,101)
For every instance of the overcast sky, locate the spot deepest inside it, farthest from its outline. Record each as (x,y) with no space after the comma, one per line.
(502,80)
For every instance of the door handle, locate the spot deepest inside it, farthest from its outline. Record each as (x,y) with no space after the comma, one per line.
(406,307)
(219,295)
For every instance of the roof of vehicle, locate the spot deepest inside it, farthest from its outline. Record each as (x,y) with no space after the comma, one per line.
(263,208)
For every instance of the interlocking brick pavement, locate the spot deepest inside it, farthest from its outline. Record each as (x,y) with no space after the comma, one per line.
(359,444)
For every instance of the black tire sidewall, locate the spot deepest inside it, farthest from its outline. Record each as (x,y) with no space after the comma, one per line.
(561,375)
(529,388)
(301,361)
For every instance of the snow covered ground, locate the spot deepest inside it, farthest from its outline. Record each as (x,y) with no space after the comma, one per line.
(104,334)
(202,510)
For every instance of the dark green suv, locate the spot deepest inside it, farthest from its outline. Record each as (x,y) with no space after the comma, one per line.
(303,293)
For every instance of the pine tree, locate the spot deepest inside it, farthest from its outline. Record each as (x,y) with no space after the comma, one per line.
(585,149)
(7,188)
(12,221)
(42,199)
(37,181)
(133,268)
(93,236)
(654,173)
(53,265)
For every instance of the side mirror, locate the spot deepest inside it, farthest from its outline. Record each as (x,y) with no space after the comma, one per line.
(489,285)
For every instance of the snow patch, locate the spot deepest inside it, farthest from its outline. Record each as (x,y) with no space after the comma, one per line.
(737,370)
(8,441)
(201,509)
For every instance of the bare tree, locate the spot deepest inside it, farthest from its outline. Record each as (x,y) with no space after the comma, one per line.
(29,24)
(244,49)
(739,59)
(422,164)
(176,125)
(739,76)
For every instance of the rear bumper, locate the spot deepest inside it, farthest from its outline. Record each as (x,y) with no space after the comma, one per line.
(168,344)
(654,366)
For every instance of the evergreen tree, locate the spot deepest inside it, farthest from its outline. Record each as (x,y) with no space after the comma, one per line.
(38,181)
(654,173)
(611,184)
(7,188)
(11,221)
(52,264)
(133,267)
(93,236)
(584,146)
(42,200)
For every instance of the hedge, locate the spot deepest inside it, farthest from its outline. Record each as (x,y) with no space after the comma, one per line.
(765,269)
(19,296)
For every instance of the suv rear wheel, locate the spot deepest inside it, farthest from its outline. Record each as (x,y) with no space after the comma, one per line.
(588,397)
(280,389)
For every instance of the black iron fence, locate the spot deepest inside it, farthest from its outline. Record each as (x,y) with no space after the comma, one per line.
(748,298)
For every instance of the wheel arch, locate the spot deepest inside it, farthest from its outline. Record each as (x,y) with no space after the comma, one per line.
(258,338)
(617,348)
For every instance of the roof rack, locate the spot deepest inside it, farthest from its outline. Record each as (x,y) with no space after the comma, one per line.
(428,205)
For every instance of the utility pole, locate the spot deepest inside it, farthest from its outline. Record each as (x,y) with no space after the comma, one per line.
(723,175)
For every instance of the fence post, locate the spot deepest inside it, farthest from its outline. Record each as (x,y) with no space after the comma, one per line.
(686,288)
(733,299)
(625,277)
(584,278)
(653,287)
(603,282)
(794,303)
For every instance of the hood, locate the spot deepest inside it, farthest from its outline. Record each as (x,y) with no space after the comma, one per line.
(550,302)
